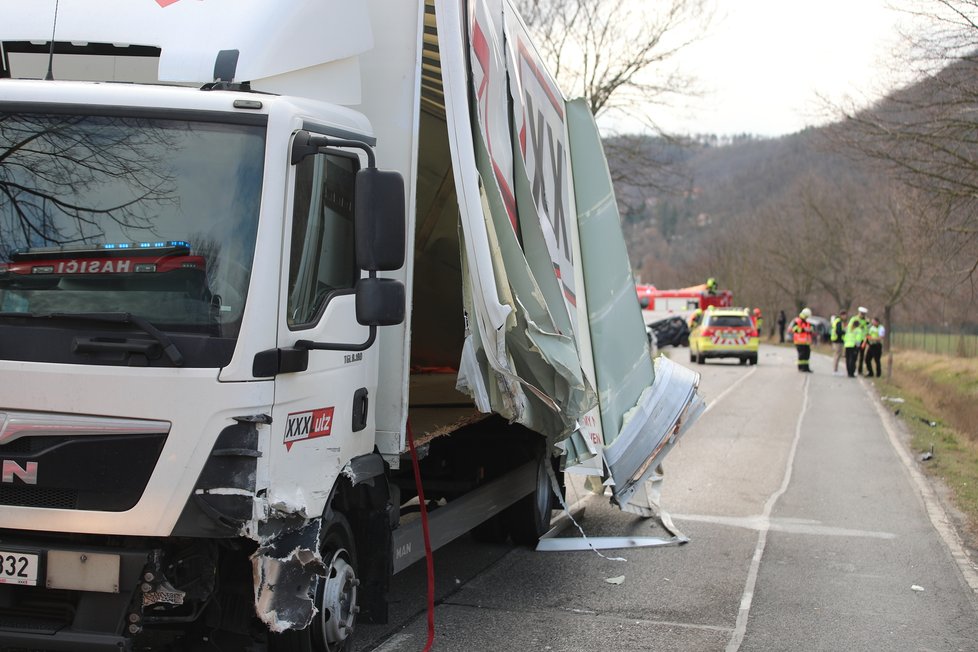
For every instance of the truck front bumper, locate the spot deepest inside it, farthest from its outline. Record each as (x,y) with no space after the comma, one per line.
(61,612)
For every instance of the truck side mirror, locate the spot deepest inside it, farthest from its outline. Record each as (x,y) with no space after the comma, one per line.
(379,226)
(380,301)
(379,220)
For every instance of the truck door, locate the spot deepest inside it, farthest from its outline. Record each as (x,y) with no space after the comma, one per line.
(322,415)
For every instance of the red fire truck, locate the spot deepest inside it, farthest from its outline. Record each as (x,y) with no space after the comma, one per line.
(683,300)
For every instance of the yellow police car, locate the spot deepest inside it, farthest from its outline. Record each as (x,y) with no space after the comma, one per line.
(724,333)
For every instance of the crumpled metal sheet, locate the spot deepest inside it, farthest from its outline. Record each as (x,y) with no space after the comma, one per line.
(520,356)
(527,347)
(645,406)
(651,428)
(285,568)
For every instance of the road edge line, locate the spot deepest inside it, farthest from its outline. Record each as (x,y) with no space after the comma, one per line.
(932,505)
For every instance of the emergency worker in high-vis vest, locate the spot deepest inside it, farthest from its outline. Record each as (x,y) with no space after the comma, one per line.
(837,334)
(874,348)
(854,339)
(801,335)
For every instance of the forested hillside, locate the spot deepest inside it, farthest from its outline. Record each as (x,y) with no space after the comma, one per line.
(840,216)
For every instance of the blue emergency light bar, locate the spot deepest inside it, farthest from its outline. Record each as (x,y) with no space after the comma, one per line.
(158,247)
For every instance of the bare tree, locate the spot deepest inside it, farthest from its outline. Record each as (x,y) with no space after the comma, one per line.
(620,55)
(927,134)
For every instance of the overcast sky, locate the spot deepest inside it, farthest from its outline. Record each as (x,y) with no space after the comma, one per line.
(764,63)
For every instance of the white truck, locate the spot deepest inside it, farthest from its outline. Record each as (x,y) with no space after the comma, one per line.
(254,253)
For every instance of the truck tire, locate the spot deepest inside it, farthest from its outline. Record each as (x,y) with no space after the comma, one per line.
(529,518)
(336,596)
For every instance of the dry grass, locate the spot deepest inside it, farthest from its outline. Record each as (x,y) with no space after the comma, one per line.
(943,391)
(946,385)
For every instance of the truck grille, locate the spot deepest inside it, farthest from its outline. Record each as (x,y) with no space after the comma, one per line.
(32,496)
(86,472)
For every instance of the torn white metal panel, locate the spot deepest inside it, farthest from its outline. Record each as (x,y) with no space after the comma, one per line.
(646,502)
(545,356)
(662,414)
(622,363)
(590,436)
(534,371)
(271,38)
(490,87)
(644,408)
(565,544)
(542,152)
(489,313)
(510,330)
(286,568)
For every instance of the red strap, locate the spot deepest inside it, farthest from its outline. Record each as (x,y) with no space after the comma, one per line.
(427,541)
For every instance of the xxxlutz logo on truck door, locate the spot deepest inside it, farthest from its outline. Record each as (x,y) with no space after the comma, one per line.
(308,425)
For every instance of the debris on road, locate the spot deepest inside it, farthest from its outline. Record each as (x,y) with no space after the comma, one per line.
(619,579)
(927,455)
(915,587)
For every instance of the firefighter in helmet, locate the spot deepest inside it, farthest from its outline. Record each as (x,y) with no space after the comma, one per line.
(801,335)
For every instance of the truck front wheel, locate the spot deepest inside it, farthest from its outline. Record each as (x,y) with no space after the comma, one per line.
(336,596)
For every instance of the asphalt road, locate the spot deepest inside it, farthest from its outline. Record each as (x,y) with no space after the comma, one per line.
(810,529)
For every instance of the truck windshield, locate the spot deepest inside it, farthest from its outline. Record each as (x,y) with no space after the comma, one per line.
(152,216)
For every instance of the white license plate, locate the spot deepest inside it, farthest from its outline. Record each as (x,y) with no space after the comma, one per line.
(19,567)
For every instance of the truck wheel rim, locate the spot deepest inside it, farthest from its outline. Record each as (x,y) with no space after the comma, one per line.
(338,602)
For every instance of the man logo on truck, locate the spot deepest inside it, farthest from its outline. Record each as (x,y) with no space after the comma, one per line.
(27,475)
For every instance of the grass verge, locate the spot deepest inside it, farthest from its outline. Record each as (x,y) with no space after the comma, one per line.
(940,408)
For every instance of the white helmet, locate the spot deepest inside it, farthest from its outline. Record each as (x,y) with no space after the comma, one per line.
(806,313)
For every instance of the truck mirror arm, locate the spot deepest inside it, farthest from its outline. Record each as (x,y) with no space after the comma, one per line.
(309,345)
(380,302)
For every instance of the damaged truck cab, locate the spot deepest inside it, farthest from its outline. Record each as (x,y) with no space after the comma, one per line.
(245,271)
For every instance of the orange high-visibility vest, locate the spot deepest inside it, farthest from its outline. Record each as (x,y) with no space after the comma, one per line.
(801,331)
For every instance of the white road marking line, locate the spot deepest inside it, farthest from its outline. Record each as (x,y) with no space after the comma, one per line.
(935,511)
(733,645)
